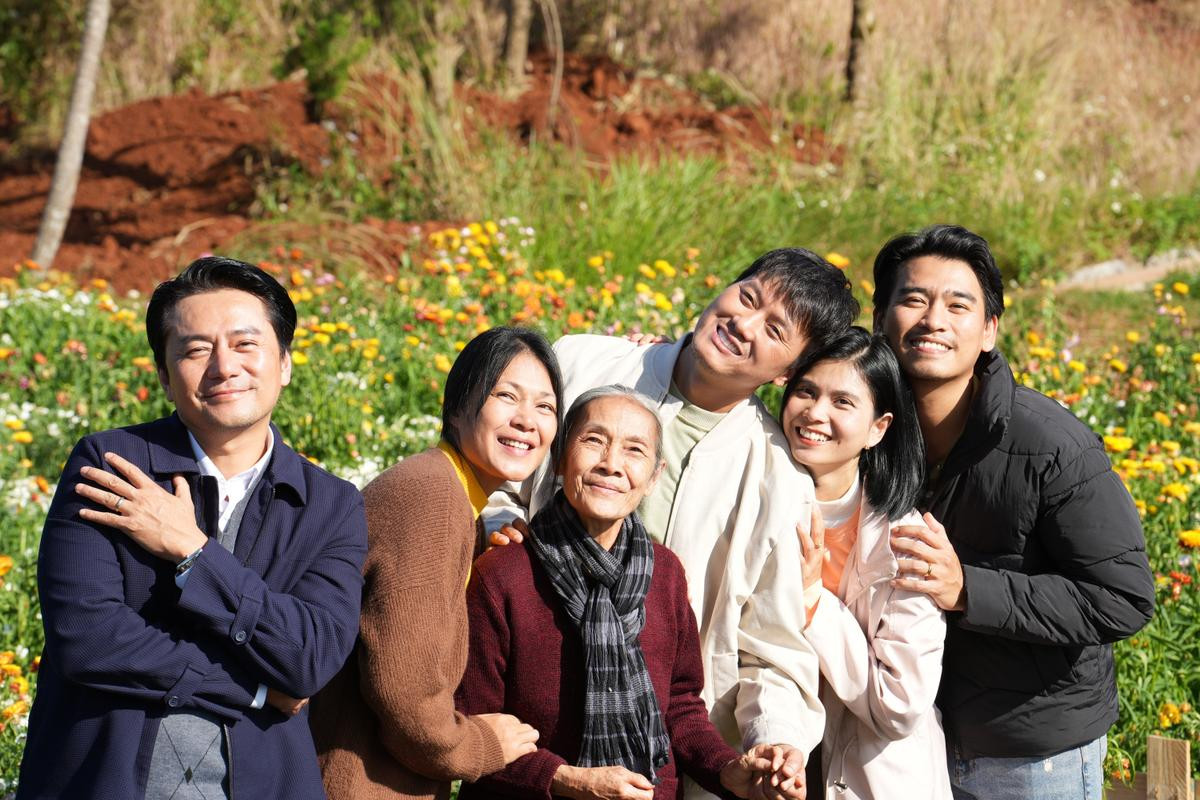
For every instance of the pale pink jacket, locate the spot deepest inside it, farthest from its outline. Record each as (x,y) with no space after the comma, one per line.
(880,652)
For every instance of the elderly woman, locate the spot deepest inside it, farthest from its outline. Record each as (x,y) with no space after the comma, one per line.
(386,726)
(585,632)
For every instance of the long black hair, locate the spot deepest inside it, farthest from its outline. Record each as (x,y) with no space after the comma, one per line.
(478,367)
(893,469)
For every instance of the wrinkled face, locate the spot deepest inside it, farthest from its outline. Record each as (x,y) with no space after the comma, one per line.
(935,320)
(830,418)
(223,369)
(515,427)
(609,461)
(745,336)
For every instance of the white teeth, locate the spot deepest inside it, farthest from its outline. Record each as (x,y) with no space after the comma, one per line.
(516,444)
(811,436)
(926,345)
(728,341)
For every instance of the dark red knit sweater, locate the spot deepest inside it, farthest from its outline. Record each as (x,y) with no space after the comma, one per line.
(525,658)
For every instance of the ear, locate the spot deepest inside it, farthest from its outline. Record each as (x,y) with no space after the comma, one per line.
(285,369)
(782,380)
(654,478)
(164,380)
(878,429)
(990,329)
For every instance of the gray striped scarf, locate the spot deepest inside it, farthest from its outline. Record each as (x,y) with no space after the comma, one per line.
(604,594)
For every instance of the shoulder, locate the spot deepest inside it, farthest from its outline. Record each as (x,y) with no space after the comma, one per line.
(1040,424)
(592,344)
(667,565)
(414,475)
(320,480)
(504,566)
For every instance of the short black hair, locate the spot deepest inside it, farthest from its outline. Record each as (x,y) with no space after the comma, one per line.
(951,242)
(815,293)
(894,469)
(210,274)
(479,366)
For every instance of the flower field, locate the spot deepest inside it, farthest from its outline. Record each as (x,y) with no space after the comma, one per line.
(370,356)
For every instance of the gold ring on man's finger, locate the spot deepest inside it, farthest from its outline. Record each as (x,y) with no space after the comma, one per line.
(117,507)
(928,568)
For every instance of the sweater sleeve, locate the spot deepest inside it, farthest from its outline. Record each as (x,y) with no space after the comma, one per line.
(1102,590)
(413,629)
(699,750)
(482,692)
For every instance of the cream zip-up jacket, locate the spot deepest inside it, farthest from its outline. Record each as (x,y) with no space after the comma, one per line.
(733,525)
(881,661)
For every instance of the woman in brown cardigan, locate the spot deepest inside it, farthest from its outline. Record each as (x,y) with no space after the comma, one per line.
(386,726)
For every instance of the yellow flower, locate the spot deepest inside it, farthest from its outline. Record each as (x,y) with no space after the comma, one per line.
(1034,338)
(1179,287)
(441,363)
(838,260)
(1189,538)
(1177,490)
(1160,350)
(1076,365)
(321,338)
(1192,428)
(1118,444)
(664,268)
(595,262)
(327,327)
(1133,337)
(1118,364)
(1162,419)
(22,437)
(13,424)
(647,271)
(370,353)
(15,710)
(1044,353)
(299,359)
(6,564)
(661,302)
(641,288)
(412,340)
(491,227)
(867,286)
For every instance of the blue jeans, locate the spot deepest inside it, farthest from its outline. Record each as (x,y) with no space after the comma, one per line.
(1076,774)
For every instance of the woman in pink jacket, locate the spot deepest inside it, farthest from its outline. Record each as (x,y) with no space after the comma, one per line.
(849,419)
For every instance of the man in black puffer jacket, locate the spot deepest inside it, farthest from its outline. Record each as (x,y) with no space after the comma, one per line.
(1039,559)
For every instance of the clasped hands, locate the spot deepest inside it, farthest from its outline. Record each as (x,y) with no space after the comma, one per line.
(162,523)
(764,772)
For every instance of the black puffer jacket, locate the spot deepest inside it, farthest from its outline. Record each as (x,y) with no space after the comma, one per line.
(1055,569)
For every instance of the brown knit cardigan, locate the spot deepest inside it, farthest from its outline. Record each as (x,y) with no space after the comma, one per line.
(385,727)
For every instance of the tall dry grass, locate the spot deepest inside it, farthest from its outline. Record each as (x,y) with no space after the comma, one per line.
(1098,81)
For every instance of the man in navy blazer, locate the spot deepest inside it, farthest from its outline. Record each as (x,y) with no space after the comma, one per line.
(199,580)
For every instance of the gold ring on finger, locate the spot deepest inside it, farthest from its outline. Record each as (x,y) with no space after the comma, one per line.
(928,568)
(117,507)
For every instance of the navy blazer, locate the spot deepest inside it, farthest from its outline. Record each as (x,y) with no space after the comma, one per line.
(124,645)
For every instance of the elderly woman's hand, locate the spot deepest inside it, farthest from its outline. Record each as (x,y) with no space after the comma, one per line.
(601,783)
(766,770)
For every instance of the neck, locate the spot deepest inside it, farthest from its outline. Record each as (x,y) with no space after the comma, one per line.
(604,531)
(942,410)
(234,452)
(696,387)
(832,482)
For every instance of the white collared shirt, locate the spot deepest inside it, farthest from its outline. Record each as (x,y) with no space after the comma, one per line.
(232,492)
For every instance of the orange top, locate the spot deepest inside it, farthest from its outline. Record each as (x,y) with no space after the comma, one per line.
(839,541)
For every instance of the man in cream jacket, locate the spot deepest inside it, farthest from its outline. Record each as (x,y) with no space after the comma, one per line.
(729,498)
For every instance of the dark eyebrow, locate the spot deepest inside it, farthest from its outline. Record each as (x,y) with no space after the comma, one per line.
(962,295)
(521,388)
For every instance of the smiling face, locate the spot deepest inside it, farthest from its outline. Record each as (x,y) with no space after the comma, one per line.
(515,426)
(746,338)
(830,419)
(609,463)
(224,368)
(935,320)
